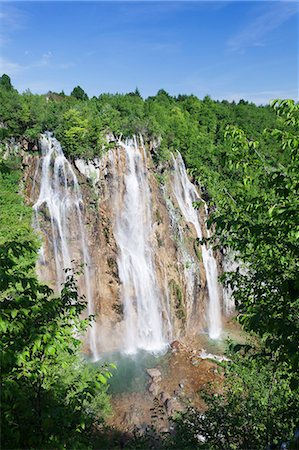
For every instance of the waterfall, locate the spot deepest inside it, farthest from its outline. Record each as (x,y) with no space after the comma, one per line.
(136,309)
(190,267)
(186,194)
(140,293)
(231,263)
(60,202)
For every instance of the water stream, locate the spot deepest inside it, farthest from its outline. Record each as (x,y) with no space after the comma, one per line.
(186,193)
(60,204)
(140,292)
(148,323)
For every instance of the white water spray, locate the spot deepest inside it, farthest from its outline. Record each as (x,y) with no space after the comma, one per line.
(60,200)
(141,295)
(189,266)
(186,194)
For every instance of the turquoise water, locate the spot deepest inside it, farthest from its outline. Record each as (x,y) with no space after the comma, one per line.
(130,373)
(213,346)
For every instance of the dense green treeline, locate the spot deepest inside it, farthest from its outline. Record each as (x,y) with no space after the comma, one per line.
(185,123)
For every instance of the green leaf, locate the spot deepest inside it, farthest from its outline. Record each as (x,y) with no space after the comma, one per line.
(102,379)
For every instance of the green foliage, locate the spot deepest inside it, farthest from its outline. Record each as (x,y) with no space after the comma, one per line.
(177,294)
(79,131)
(5,82)
(10,112)
(79,93)
(255,408)
(185,123)
(15,216)
(254,186)
(250,180)
(50,396)
(258,218)
(197,249)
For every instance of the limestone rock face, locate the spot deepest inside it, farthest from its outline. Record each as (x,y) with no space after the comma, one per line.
(172,251)
(154,389)
(154,373)
(172,406)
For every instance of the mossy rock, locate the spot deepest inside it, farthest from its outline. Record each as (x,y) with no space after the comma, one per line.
(177,293)
(197,249)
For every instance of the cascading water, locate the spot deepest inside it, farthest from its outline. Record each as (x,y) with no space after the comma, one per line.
(186,194)
(231,264)
(140,293)
(138,303)
(60,200)
(189,266)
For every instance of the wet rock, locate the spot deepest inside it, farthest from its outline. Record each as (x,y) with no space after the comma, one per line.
(154,389)
(140,430)
(154,373)
(200,438)
(173,406)
(204,355)
(195,362)
(175,346)
(90,169)
(156,377)
(164,397)
(131,417)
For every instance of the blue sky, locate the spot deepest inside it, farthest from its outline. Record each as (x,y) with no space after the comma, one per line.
(227,49)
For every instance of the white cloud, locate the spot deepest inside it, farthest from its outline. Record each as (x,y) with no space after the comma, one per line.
(10,67)
(45,61)
(255,33)
(12,18)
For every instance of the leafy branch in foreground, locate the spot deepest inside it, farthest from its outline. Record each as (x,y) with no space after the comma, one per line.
(261,225)
(50,397)
(254,409)
(256,216)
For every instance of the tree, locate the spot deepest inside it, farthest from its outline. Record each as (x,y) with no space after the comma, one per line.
(259,221)
(255,408)
(79,93)
(137,92)
(50,397)
(5,82)
(256,215)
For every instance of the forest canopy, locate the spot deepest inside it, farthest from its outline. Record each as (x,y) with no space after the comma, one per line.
(185,123)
